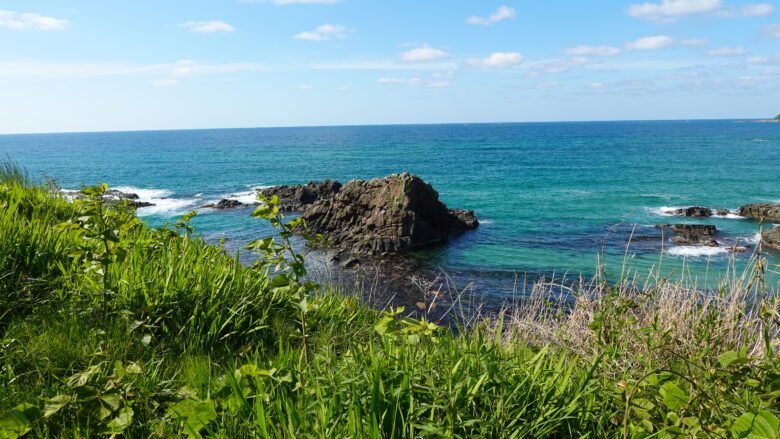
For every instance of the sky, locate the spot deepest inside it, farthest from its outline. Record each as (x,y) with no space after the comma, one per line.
(85,65)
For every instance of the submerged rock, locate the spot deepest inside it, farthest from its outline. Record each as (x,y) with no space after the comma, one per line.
(692,234)
(224,204)
(771,238)
(396,213)
(766,211)
(724,212)
(298,197)
(692,211)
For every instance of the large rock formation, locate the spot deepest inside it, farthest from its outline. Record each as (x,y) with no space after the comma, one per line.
(298,197)
(769,212)
(692,234)
(395,213)
(693,211)
(771,238)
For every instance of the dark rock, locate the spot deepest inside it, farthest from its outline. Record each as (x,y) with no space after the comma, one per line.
(224,204)
(692,234)
(396,213)
(139,204)
(464,220)
(766,211)
(298,197)
(771,238)
(350,263)
(723,212)
(113,194)
(693,211)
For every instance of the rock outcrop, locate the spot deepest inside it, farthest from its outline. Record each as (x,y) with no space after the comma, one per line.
(113,196)
(693,211)
(396,213)
(299,197)
(767,211)
(224,204)
(771,238)
(692,234)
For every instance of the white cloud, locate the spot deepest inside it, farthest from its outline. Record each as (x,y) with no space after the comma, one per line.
(178,69)
(343,88)
(165,82)
(695,42)
(771,31)
(727,51)
(593,50)
(425,53)
(670,10)
(324,33)
(597,85)
(294,2)
(650,43)
(502,13)
(415,82)
(208,27)
(558,66)
(305,87)
(29,21)
(757,10)
(444,75)
(771,59)
(685,75)
(499,60)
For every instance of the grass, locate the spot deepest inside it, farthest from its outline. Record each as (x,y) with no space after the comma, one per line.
(109,328)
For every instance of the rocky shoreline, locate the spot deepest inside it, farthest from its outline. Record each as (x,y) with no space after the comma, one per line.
(702,234)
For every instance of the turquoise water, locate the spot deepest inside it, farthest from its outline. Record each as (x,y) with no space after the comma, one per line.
(550,195)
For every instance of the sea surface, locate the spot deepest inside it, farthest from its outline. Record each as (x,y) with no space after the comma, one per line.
(553,199)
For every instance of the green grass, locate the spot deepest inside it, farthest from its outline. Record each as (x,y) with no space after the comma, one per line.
(111,328)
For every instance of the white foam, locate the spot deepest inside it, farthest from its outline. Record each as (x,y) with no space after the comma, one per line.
(662,211)
(248,197)
(695,251)
(164,204)
(485,221)
(751,240)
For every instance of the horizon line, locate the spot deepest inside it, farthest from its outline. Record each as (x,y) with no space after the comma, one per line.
(32,133)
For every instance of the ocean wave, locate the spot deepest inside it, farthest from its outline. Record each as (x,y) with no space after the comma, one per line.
(486,221)
(750,240)
(165,204)
(695,251)
(663,211)
(248,197)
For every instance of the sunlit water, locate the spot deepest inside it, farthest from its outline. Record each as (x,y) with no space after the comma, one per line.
(550,196)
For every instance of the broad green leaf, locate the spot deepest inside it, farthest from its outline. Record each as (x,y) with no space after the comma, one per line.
(53,405)
(121,422)
(182,409)
(674,397)
(14,424)
(203,413)
(729,358)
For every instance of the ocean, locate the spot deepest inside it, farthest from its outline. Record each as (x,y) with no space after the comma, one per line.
(553,199)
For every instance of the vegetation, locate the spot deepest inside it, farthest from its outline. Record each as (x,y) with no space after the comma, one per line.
(110,328)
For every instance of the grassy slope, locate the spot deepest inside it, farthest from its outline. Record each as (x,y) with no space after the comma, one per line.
(175,337)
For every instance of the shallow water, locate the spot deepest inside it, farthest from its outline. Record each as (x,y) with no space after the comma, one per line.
(550,196)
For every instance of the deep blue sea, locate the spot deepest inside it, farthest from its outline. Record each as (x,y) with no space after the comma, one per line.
(550,196)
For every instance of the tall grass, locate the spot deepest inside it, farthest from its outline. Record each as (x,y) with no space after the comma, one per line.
(169,336)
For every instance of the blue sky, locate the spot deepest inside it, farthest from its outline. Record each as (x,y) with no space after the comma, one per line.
(78,65)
